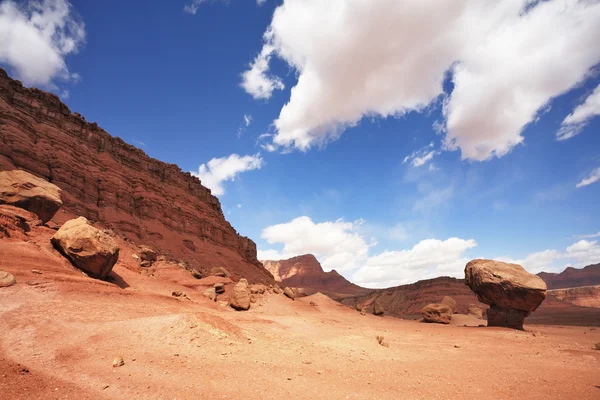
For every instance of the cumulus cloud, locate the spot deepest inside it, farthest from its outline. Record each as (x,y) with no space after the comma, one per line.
(219,170)
(257,81)
(593,177)
(427,259)
(583,113)
(337,244)
(36,37)
(577,255)
(357,58)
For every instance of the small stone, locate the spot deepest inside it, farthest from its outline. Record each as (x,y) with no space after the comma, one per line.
(36,271)
(456,346)
(105,387)
(219,288)
(118,362)
(177,293)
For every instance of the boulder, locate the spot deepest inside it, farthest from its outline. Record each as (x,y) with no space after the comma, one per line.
(147,254)
(378,308)
(6,279)
(211,293)
(258,288)
(16,222)
(219,288)
(88,248)
(289,293)
(450,302)
(196,274)
(240,299)
(220,271)
(437,312)
(511,292)
(146,264)
(277,289)
(475,311)
(24,190)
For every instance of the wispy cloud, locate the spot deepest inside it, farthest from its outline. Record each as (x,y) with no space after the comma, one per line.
(574,123)
(593,177)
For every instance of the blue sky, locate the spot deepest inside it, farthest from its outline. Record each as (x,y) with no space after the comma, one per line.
(394,141)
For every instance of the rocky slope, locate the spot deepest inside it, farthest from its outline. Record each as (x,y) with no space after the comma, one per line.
(408,300)
(306,272)
(572,277)
(117,185)
(583,296)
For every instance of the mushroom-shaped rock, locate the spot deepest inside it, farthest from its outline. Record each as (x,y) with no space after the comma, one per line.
(437,312)
(511,292)
(24,190)
(450,302)
(88,248)
(6,279)
(240,299)
(289,293)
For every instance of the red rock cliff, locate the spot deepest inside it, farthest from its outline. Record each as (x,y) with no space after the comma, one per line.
(111,182)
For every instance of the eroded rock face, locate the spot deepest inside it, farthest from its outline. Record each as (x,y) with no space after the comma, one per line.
(147,254)
(475,311)
(16,222)
(437,313)
(88,248)
(512,292)
(240,299)
(24,190)
(289,293)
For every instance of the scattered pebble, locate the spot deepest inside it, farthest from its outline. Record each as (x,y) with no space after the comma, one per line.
(118,362)
(36,271)
(456,346)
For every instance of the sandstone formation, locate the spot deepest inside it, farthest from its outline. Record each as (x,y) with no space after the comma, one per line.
(257,288)
(219,288)
(147,254)
(378,307)
(6,279)
(88,248)
(240,299)
(117,185)
(511,292)
(449,301)
(211,293)
(572,277)
(16,222)
(220,271)
(475,311)
(583,296)
(437,313)
(407,301)
(306,272)
(24,190)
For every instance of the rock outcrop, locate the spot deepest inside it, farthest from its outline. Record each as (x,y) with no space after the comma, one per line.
(240,298)
(88,248)
(6,279)
(289,293)
(476,311)
(437,313)
(24,190)
(16,222)
(583,296)
(511,292)
(572,277)
(450,302)
(117,185)
(306,272)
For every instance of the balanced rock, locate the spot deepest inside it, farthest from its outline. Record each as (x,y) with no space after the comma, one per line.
(450,302)
(437,312)
(6,279)
(475,311)
(24,190)
(289,293)
(240,299)
(511,292)
(88,248)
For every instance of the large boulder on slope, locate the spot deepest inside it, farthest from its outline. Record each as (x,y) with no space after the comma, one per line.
(240,299)
(378,307)
(6,279)
(88,248)
(511,291)
(450,302)
(24,190)
(289,293)
(437,313)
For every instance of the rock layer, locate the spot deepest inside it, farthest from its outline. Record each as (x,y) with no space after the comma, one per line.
(109,181)
(88,248)
(512,292)
(21,189)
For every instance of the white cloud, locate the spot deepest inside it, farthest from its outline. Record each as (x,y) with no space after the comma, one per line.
(219,170)
(261,2)
(427,259)
(576,121)
(590,236)
(593,177)
(245,124)
(239,206)
(336,244)
(357,58)
(420,157)
(577,255)
(36,37)
(257,81)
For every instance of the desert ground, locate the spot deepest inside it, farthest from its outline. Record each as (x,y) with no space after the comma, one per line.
(61,330)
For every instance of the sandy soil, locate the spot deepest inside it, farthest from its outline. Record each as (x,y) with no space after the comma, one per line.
(60,331)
